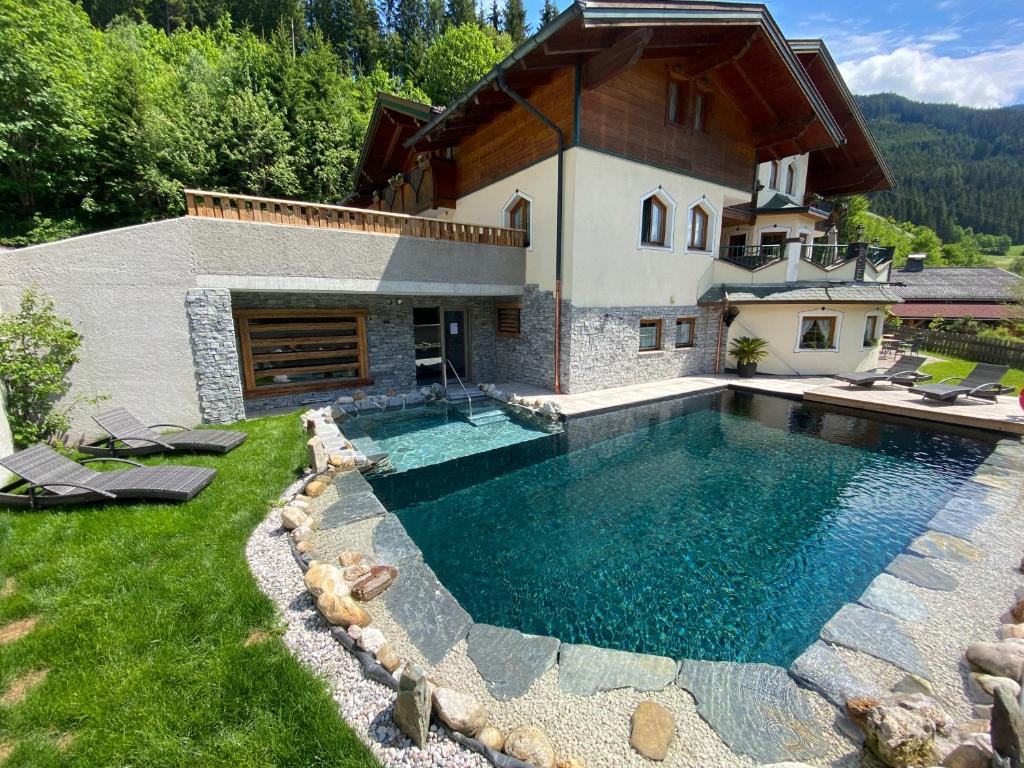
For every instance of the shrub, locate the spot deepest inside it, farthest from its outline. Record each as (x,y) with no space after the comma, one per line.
(37,350)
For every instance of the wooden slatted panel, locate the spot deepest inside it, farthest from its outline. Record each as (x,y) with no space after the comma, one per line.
(299,343)
(509,319)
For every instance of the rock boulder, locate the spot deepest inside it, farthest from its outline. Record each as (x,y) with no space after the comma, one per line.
(1004,659)
(342,611)
(412,706)
(901,731)
(652,728)
(530,745)
(460,711)
(491,737)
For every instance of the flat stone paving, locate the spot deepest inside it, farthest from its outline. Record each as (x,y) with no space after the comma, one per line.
(945,547)
(756,709)
(920,571)
(891,595)
(392,545)
(584,670)
(509,661)
(822,670)
(352,508)
(876,634)
(430,616)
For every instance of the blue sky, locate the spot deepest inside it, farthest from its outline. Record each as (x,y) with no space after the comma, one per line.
(961,51)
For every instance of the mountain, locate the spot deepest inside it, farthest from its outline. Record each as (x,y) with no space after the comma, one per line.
(953,165)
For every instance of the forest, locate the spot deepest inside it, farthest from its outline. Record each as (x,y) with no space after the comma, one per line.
(955,166)
(109,110)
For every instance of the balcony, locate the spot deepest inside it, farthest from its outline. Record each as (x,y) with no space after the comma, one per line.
(752,256)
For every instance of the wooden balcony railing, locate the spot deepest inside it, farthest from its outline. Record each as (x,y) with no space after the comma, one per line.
(222,205)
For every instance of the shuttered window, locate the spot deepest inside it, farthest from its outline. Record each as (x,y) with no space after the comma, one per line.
(509,319)
(302,350)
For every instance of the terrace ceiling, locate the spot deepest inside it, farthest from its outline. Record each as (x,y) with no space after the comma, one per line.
(735,47)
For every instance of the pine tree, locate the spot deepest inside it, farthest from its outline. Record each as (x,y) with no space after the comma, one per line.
(481,15)
(435,21)
(461,12)
(548,13)
(410,28)
(494,19)
(515,20)
(366,43)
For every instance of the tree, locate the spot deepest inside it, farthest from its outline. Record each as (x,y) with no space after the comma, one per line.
(1017,265)
(514,21)
(548,13)
(494,17)
(460,12)
(458,58)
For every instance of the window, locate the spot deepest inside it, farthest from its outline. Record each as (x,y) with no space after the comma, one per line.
(688,105)
(517,216)
(699,110)
(684,331)
(817,332)
(698,228)
(302,350)
(871,330)
(654,221)
(650,335)
(509,319)
(790,179)
(675,114)
(773,175)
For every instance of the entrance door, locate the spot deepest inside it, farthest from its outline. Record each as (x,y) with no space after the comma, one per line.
(456,341)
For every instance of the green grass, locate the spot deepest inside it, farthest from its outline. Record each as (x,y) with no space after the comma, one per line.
(1004,261)
(953,366)
(144,611)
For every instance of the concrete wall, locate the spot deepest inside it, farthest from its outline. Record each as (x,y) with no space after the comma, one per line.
(124,291)
(780,323)
(6,442)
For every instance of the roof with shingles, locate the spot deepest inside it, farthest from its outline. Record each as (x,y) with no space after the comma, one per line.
(955,284)
(799,293)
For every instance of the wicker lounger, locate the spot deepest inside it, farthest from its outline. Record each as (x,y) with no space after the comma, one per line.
(982,383)
(130,437)
(903,371)
(55,480)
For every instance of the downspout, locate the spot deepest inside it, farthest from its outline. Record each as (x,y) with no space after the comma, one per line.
(521,101)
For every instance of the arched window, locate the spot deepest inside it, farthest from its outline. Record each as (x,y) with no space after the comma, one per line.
(699,221)
(790,179)
(518,215)
(773,175)
(655,222)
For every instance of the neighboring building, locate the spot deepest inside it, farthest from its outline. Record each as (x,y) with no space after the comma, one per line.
(633,186)
(987,294)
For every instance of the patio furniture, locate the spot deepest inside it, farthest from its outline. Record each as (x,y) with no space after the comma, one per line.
(55,480)
(129,436)
(903,371)
(982,383)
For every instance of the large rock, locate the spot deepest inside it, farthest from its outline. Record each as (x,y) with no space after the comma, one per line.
(460,711)
(651,729)
(316,487)
(376,581)
(1008,727)
(983,687)
(430,616)
(349,557)
(342,611)
(964,750)
(491,737)
(901,731)
(317,454)
(292,517)
(530,745)
(1005,659)
(372,640)
(413,704)
(388,658)
(316,574)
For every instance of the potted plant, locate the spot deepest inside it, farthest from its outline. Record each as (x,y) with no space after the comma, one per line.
(748,351)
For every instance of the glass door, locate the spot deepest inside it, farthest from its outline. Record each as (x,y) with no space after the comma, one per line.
(427,331)
(455,333)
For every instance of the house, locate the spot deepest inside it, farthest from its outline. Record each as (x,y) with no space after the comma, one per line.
(986,294)
(632,187)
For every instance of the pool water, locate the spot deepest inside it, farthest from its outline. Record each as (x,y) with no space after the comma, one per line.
(723,527)
(433,434)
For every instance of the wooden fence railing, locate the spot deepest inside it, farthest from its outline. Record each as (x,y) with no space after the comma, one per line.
(222,205)
(969,347)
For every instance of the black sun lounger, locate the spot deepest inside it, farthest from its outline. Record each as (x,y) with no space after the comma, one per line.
(130,437)
(903,371)
(55,480)
(982,382)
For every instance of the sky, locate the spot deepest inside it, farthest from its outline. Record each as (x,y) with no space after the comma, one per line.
(968,52)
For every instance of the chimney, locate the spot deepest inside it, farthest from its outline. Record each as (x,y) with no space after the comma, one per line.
(915,262)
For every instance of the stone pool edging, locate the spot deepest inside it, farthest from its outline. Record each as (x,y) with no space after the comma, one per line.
(819,669)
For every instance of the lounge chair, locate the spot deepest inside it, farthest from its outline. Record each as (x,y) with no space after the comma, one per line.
(982,383)
(903,371)
(57,480)
(130,437)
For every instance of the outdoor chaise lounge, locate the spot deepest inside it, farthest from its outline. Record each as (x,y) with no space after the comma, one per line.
(903,371)
(982,382)
(55,480)
(129,436)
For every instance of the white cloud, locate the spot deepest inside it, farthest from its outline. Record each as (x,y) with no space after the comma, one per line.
(992,78)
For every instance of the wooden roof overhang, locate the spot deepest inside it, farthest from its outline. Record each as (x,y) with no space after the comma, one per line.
(384,154)
(738,47)
(858,165)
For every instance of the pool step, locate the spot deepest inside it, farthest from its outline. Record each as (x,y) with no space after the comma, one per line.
(484,415)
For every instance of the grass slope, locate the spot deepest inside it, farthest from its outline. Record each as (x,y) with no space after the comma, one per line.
(144,611)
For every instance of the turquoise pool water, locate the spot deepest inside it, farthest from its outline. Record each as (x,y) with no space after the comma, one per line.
(423,436)
(722,527)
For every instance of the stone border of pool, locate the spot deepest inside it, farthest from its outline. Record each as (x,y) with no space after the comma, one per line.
(726,694)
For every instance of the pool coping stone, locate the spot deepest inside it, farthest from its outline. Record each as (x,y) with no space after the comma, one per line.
(508,660)
(876,634)
(920,571)
(584,670)
(352,508)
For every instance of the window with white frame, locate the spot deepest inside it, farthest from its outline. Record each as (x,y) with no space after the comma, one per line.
(817,331)
(872,329)
(519,215)
(657,211)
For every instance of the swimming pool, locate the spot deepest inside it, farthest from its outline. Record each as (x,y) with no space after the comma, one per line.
(420,437)
(727,526)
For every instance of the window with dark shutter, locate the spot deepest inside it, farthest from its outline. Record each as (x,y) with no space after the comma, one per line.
(509,319)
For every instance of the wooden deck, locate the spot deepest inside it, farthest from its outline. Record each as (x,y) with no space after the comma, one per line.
(269,210)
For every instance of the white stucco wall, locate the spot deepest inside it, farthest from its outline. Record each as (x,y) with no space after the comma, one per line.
(609,268)
(799,164)
(6,443)
(779,324)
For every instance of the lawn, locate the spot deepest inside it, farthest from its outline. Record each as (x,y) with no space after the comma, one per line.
(144,613)
(1006,260)
(953,366)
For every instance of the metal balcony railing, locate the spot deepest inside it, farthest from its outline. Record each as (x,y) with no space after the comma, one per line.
(751,256)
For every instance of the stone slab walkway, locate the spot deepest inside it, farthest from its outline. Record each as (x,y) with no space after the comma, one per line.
(876,634)
(509,661)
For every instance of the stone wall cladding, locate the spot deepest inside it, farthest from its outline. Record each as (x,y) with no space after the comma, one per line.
(530,357)
(212,335)
(604,346)
(389,338)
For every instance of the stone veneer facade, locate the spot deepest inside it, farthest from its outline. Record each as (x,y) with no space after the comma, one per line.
(212,334)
